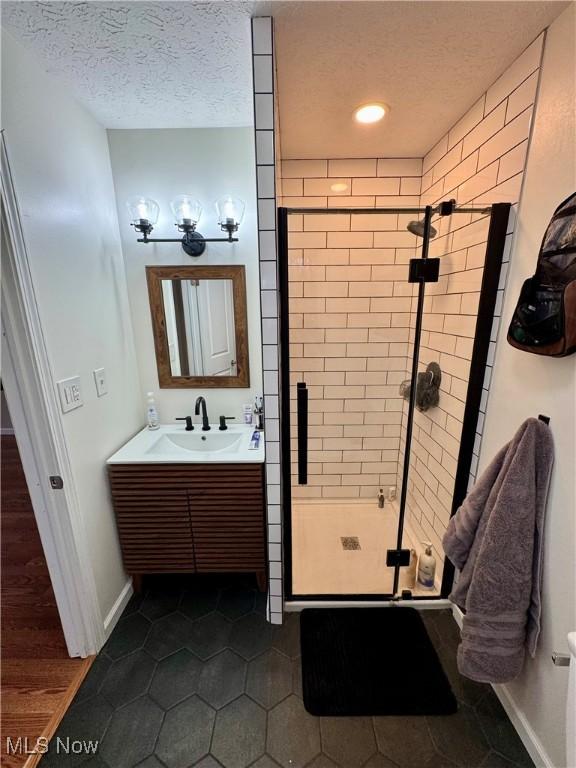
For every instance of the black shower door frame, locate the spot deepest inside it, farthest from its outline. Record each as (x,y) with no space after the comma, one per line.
(498,226)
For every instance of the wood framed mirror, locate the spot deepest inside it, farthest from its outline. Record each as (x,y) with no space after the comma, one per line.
(200,326)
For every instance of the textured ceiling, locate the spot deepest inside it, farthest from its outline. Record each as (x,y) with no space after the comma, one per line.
(430,61)
(187,64)
(145,64)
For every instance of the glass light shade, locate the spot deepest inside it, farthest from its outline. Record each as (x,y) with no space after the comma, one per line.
(230,211)
(142,209)
(187,210)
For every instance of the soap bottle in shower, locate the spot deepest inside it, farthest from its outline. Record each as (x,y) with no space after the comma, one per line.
(412,569)
(152,412)
(426,567)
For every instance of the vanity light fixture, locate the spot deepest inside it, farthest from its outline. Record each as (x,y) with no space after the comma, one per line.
(143,213)
(230,212)
(187,212)
(370,113)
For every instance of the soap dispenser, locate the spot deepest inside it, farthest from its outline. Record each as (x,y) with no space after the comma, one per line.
(426,567)
(152,412)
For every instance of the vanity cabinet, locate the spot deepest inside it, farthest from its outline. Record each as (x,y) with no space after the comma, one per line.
(195,518)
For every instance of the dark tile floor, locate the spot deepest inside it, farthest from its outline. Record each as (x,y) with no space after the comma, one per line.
(193,675)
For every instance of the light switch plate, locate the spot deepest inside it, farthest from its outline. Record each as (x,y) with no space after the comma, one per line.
(70,394)
(100,381)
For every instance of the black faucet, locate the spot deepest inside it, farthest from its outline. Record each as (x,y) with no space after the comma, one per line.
(205,421)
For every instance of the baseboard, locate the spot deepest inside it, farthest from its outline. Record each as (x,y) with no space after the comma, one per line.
(533,745)
(516,716)
(118,608)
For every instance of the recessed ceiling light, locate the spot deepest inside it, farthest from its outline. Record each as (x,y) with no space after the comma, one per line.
(370,113)
(340,186)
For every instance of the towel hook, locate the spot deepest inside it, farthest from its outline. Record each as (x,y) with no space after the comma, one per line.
(545,419)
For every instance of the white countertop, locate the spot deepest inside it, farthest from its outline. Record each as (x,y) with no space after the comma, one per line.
(170,444)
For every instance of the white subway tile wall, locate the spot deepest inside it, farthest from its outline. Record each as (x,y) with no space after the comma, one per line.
(480,161)
(350,308)
(266,152)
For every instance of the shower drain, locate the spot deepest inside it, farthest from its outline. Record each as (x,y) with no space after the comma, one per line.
(350,542)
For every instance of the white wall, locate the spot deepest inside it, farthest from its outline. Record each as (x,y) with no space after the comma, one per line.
(525,385)
(206,163)
(61,168)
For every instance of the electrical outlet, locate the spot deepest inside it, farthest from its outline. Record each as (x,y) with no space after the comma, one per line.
(100,381)
(70,394)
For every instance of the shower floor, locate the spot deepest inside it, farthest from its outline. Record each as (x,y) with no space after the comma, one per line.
(340,548)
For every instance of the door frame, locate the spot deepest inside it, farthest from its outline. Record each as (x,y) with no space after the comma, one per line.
(35,412)
(495,245)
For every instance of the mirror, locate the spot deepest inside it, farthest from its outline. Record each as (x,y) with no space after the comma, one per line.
(200,325)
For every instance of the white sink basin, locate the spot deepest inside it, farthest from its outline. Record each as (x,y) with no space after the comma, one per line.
(196,441)
(172,444)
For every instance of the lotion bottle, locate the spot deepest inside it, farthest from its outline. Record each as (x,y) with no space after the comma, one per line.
(152,412)
(426,567)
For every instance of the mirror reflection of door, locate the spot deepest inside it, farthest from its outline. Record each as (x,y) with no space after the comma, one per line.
(215,302)
(200,327)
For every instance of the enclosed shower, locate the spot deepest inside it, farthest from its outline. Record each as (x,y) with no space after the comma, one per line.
(386,317)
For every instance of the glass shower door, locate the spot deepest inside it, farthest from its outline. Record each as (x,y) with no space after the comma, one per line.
(349,315)
(456,329)
(367,307)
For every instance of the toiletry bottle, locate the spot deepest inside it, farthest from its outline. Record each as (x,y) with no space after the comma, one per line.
(426,567)
(152,412)
(411,573)
(381,499)
(247,413)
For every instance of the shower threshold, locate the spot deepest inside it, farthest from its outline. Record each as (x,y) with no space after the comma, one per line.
(433,603)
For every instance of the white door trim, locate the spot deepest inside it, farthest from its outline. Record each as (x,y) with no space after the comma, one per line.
(33,405)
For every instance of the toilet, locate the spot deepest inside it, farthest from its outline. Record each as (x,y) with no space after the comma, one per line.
(571,705)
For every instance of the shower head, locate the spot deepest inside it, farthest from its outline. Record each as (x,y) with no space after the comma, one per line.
(417,228)
(445,208)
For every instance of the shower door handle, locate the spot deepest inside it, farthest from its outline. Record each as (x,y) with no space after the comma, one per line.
(302,413)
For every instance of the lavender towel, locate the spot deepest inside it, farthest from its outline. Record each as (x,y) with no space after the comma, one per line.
(496,540)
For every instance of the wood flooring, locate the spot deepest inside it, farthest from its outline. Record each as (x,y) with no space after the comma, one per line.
(38,678)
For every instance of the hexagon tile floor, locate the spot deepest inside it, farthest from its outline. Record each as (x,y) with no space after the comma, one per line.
(193,675)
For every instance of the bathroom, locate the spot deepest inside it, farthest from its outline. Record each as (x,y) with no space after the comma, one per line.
(103,102)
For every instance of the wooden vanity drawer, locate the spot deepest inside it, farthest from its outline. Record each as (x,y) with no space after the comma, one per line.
(194,517)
